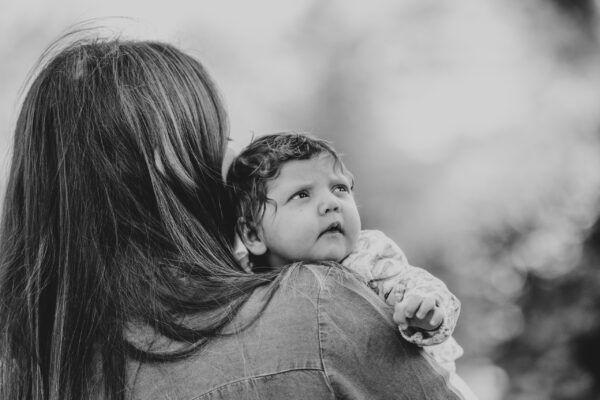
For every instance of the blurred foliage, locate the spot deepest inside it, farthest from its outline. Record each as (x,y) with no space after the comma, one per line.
(557,355)
(514,210)
(583,11)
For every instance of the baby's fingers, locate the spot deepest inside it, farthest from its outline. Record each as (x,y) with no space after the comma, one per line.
(427,304)
(396,295)
(400,319)
(436,319)
(405,310)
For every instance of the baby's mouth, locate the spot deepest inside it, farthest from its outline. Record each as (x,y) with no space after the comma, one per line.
(334,227)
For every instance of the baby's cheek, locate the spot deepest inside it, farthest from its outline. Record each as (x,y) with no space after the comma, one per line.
(353,238)
(356,227)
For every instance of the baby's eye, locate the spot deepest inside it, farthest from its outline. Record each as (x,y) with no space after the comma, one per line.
(299,195)
(341,189)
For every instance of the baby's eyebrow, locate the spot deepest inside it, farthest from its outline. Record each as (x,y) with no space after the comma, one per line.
(342,176)
(299,187)
(293,186)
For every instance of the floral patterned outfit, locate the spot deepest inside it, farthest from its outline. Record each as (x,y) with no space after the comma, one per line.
(384,268)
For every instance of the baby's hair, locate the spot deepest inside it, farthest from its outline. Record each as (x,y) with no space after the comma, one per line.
(261,162)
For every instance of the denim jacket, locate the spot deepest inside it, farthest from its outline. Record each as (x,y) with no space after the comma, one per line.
(323,335)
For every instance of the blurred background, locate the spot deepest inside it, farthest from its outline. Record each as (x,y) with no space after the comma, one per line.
(472,128)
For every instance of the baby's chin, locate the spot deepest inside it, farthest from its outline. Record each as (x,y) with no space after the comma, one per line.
(339,257)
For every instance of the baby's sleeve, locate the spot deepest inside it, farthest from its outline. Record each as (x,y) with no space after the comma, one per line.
(384,267)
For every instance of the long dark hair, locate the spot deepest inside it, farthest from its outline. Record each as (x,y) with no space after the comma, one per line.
(115,213)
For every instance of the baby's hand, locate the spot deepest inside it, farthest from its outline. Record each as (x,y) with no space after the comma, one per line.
(418,311)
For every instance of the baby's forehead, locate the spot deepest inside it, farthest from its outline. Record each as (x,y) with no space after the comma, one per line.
(334,163)
(303,169)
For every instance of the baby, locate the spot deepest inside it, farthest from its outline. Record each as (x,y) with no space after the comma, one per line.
(295,203)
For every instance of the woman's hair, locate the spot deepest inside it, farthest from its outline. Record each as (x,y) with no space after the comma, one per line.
(115,214)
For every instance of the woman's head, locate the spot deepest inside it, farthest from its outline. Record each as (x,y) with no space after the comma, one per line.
(115,211)
(130,127)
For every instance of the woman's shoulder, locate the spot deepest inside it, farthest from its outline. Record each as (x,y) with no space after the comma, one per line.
(335,291)
(329,280)
(272,344)
(362,352)
(314,277)
(306,290)
(327,287)
(320,333)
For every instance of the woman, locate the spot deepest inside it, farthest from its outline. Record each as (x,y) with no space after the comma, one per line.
(117,276)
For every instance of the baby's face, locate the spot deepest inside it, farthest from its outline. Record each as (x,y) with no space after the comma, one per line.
(315,219)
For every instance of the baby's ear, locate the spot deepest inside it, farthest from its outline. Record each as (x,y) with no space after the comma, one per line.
(251,237)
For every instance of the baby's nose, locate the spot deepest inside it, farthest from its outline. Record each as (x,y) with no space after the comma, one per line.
(330,204)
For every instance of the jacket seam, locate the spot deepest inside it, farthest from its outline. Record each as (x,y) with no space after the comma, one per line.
(254,377)
(321,358)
